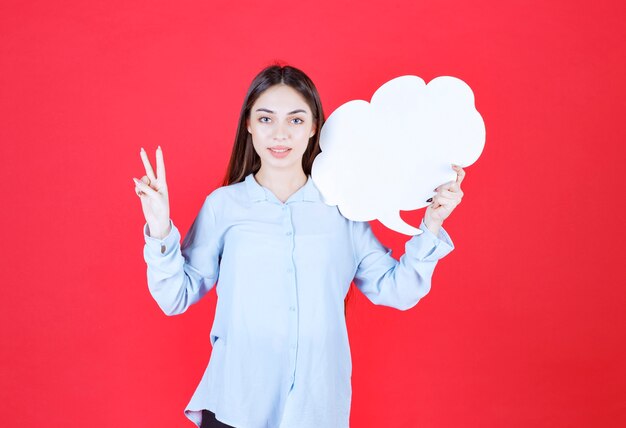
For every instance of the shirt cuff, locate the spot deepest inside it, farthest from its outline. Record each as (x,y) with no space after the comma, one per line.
(429,246)
(164,246)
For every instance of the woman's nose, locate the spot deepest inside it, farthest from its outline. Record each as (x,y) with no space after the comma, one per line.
(281,132)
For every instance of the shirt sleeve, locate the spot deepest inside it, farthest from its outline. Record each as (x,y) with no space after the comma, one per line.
(387,281)
(180,275)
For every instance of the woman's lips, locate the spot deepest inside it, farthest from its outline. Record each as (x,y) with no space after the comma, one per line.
(279,151)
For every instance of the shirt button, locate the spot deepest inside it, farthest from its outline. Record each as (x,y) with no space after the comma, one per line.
(288,233)
(291,308)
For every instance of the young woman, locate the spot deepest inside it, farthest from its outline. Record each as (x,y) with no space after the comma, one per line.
(283,262)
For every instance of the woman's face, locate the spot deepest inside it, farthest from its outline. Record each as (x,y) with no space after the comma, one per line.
(281,124)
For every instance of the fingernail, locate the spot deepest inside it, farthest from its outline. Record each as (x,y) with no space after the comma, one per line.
(135,180)
(429,200)
(142,149)
(159,147)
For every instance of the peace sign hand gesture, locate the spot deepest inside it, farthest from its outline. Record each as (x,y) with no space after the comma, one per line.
(447,198)
(152,191)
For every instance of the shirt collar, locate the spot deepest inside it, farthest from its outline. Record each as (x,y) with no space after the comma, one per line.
(308,192)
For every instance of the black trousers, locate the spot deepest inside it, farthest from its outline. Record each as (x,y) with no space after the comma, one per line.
(209,421)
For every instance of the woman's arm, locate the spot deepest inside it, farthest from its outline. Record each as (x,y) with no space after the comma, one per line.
(179,276)
(387,281)
(401,284)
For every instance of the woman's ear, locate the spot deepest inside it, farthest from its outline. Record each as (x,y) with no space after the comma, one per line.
(313,130)
(248,126)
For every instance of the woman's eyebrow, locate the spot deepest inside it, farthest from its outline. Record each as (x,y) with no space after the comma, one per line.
(272,112)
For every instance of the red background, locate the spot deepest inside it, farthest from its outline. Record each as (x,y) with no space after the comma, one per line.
(525,323)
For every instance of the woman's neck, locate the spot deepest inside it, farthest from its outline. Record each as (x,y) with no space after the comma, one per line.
(283,184)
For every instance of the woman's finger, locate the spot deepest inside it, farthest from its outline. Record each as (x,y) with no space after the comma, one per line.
(144,187)
(439,201)
(460,174)
(454,196)
(444,186)
(453,192)
(160,164)
(455,187)
(146,164)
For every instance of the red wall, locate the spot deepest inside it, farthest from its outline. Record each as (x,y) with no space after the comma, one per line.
(525,323)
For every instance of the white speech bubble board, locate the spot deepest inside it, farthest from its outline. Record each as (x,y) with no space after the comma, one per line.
(387,156)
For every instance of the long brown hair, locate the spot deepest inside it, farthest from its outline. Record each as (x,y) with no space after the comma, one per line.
(244,159)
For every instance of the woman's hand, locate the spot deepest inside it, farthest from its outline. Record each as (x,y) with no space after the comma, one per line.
(447,198)
(152,191)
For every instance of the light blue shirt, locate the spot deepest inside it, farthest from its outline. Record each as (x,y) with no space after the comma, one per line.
(280,356)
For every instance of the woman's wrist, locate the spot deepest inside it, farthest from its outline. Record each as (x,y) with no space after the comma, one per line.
(158,231)
(433,226)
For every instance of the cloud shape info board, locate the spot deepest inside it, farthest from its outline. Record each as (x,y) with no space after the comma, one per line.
(387,155)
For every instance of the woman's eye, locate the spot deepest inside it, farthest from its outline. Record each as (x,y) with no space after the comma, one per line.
(298,121)
(264,119)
